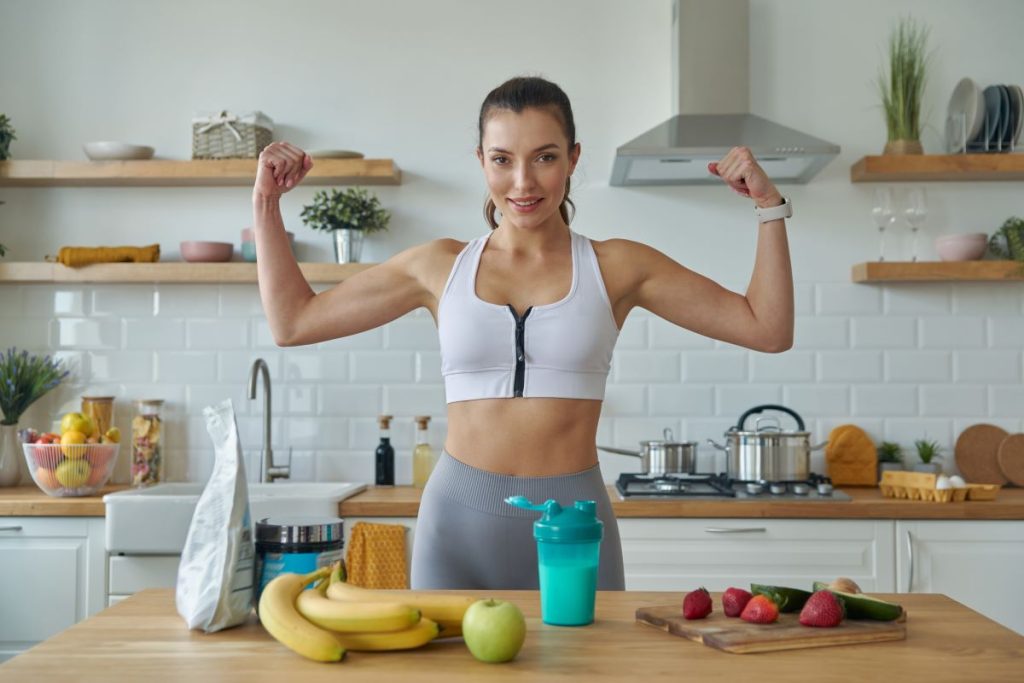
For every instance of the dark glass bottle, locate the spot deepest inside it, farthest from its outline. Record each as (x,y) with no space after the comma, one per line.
(385,453)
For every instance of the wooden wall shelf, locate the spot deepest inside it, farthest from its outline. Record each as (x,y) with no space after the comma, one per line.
(186,173)
(928,167)
(166,272)
(938,271)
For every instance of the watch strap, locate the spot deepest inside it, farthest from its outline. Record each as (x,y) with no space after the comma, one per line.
(774,213)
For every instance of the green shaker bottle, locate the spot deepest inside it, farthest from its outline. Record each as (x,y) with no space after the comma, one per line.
(568,550)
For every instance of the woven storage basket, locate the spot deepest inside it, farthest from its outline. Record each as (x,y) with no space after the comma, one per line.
(223,135)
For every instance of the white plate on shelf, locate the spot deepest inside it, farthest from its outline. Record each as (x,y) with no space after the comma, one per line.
(968,102)
(119,151)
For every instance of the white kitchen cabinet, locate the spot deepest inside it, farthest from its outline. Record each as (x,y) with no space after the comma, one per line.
(977,563)
(52,575)
(682,554)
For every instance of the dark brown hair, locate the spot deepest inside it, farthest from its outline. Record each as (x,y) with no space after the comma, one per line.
(517,94)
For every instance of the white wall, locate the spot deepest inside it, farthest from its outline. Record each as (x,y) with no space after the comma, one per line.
(404,80)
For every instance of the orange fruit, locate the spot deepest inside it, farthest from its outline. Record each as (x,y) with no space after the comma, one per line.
(47,478)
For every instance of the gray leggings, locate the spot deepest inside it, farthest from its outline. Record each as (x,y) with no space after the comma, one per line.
(467,537)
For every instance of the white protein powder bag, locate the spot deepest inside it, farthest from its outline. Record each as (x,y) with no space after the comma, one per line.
(215,577)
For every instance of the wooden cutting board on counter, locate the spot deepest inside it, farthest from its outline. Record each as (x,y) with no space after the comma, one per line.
(739,637)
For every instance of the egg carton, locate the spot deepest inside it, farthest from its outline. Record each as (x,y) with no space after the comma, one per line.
(920,486)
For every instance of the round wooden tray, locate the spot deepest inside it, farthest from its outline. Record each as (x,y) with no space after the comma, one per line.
(1011,458)
(977,451)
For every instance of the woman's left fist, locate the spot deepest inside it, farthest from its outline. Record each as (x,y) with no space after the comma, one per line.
(743,174)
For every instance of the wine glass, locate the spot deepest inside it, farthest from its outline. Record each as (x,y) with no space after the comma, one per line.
(884,213)
(916,213)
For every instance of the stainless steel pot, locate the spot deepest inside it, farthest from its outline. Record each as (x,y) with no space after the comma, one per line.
(663,457)
(767,453)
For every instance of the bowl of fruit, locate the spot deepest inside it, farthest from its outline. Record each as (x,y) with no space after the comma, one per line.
(76,462)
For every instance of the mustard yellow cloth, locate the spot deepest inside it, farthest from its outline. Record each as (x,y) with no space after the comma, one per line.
(376,556)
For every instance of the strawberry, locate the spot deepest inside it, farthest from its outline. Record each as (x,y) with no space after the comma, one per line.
(734,600)
(760,610)
(822,609)
(697,604)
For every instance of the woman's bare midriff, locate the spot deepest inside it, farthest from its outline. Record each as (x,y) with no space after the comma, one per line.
(529,437)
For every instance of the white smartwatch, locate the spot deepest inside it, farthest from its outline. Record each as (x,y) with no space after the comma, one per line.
(774,213)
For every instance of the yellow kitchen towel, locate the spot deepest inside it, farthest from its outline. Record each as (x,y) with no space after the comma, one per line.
(376,556)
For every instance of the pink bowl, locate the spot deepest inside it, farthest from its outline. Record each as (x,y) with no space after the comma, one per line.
(961,247)
(206,252)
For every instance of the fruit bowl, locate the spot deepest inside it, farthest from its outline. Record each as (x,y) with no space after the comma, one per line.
(70,469)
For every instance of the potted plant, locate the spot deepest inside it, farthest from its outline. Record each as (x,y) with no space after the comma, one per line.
(902,87)
(350,215)
(890,457)
(928,452)
(6,135)
(1008,241)
(24,378)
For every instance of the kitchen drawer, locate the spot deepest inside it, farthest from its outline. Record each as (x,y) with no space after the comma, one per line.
(131,573)
(681,554)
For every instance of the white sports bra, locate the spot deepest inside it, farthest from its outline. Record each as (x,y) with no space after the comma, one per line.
(558,350)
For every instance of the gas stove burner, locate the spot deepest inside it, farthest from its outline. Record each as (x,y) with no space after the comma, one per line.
(679,485)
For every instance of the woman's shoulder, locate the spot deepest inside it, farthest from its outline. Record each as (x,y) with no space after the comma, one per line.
(618,249)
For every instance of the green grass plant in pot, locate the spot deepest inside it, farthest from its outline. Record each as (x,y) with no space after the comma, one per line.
(928,453)
(902,87)
(350,215)
(24,379)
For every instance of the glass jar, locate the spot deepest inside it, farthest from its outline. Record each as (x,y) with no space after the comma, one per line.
(147,443)
(101,410)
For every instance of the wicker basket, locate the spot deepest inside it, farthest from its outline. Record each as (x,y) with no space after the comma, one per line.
(919,486)
(223,135)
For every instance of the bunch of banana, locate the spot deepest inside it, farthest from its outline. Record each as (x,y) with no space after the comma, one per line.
(446,610)
(278,615)
(313,626)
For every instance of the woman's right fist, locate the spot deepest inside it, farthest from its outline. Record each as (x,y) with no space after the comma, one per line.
(281,167)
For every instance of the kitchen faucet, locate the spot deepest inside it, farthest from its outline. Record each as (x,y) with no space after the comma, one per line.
(268,472)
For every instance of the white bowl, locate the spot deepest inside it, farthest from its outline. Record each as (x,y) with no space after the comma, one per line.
(104,151)
(969,247)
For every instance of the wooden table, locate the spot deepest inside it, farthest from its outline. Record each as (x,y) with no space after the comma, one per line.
(143,639)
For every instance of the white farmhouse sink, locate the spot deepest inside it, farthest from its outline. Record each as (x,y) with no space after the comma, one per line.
(156,519)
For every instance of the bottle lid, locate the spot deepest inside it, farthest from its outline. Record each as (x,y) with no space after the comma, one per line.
(288,529)
(576,524)
(385,421)
(97,398)
(422,421)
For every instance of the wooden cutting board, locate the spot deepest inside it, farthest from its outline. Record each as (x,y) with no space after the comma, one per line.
(739,637)
(1011,458)
(976,453)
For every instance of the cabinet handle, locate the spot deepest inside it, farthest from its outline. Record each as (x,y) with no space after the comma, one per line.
(735,530)
(10,528)
(910,555)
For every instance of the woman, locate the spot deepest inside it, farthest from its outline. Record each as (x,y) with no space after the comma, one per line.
(527,317)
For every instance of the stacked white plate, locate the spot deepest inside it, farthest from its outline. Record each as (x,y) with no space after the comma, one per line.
(989,120)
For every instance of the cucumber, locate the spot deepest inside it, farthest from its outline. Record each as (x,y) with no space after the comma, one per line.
(787,599)
(861,606)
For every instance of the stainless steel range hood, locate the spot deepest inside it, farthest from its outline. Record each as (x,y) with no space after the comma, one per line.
(711,65)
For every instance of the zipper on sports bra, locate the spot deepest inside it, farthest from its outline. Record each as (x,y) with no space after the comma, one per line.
(520,379)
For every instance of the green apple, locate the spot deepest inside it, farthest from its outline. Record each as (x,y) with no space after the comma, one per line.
(494,630)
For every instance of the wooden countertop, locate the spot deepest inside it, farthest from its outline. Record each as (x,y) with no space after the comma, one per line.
(30,501)
(144,639)
(403,501)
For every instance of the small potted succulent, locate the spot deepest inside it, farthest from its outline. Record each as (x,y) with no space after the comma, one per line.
(1008,241)
(928,452)
(350,215)
(890,457)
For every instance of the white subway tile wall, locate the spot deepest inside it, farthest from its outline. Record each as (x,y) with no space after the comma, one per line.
(905,362)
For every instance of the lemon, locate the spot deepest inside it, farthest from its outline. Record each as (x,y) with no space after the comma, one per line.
(71,444)
(73,473)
